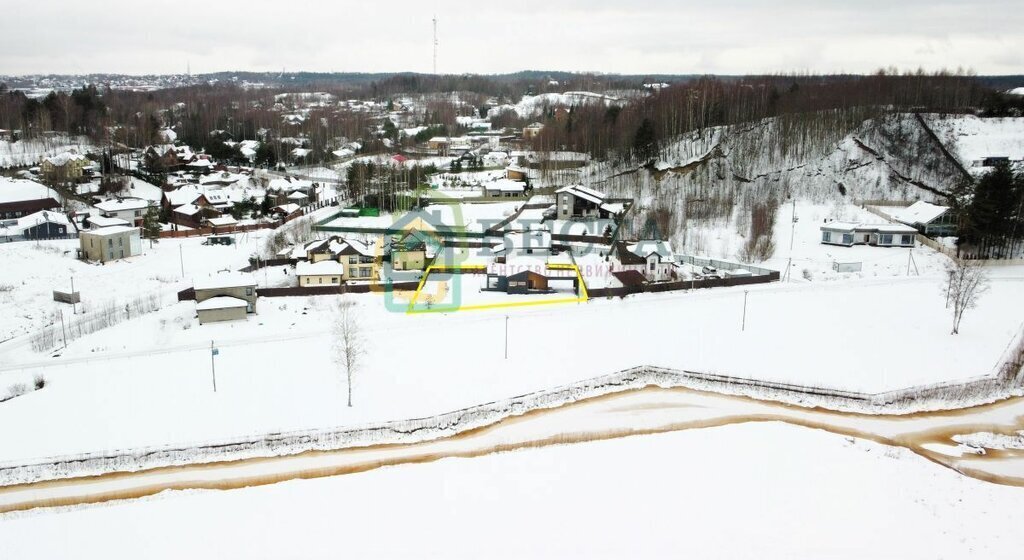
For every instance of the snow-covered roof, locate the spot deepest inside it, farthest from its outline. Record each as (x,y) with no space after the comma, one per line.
(112,230)
(188,209)
(18,190)
(64,158)
(297,195)
(221,302)
(184,195)
(920,212)
(102,222)
(223,280)
(34,219)
(646,248)
(357,246)
(223,221)
(322,268)
(123,204)
(287,208)
(585,193)
(840,226)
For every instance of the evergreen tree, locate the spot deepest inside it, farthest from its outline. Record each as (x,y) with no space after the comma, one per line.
(151,225)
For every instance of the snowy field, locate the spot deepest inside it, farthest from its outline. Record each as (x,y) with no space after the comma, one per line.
(31,271)
(124,386)
(971,138)
(758,491)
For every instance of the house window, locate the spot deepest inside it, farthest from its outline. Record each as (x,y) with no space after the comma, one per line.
(334,279)
(847,239)
(320,280)
(826,236)
(650,266)
(110,243)
(353,259)
(248,291)
(908,240)
(138,213)
(886,239)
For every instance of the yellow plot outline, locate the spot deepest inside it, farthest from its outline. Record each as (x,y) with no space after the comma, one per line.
(583,297)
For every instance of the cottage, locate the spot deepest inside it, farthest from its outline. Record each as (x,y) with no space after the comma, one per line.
(504,188)
(110,243)
(230,284)
(41,225)
(68,166)
(579,202)
(359,259)
(651,258)
(412,251)
(848,234)
(929,219)
(322,273)
(131,210)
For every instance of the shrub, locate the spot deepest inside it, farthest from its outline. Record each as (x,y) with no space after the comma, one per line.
(39,382)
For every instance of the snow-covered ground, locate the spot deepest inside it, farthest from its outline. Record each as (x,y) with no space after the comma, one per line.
(759,491)
(124,386)
(971,138)
(31,271)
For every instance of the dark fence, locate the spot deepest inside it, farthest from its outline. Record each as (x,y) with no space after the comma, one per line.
(684,285)
(188,294)
(335,290)
(261,263)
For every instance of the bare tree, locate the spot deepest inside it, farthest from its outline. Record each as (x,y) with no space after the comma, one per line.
(967,281)
(349,345)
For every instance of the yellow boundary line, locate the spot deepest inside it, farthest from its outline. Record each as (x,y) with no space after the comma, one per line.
(583,297)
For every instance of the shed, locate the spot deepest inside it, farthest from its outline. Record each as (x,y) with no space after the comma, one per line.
(221,308)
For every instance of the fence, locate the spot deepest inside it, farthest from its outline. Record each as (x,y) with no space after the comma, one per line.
(77,326)
(16,238)
(683,285)
(335,290)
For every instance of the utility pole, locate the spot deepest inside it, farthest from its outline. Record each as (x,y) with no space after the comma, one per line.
(506,337)
(74,305)
(213,365)
(743,326)
(63,330)
(181,257)
(792,237)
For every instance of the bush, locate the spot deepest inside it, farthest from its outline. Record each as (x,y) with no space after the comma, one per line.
(39,382)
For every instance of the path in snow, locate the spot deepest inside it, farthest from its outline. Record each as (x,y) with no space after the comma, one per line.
(637,412)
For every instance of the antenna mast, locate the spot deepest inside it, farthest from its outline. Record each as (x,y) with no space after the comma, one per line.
(435,44)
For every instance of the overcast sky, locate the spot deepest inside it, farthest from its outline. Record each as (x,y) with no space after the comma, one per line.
(649,36)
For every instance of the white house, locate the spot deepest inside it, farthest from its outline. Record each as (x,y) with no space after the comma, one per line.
(131,210)
(322,273)
(848,234)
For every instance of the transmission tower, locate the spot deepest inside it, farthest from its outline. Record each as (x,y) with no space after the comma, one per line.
(435,44)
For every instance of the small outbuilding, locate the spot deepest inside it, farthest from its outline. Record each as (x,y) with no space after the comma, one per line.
(222,308)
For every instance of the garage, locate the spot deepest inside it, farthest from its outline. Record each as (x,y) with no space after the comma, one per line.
(221,308)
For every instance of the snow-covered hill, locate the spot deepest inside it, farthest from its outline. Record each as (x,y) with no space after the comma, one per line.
(714,177)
